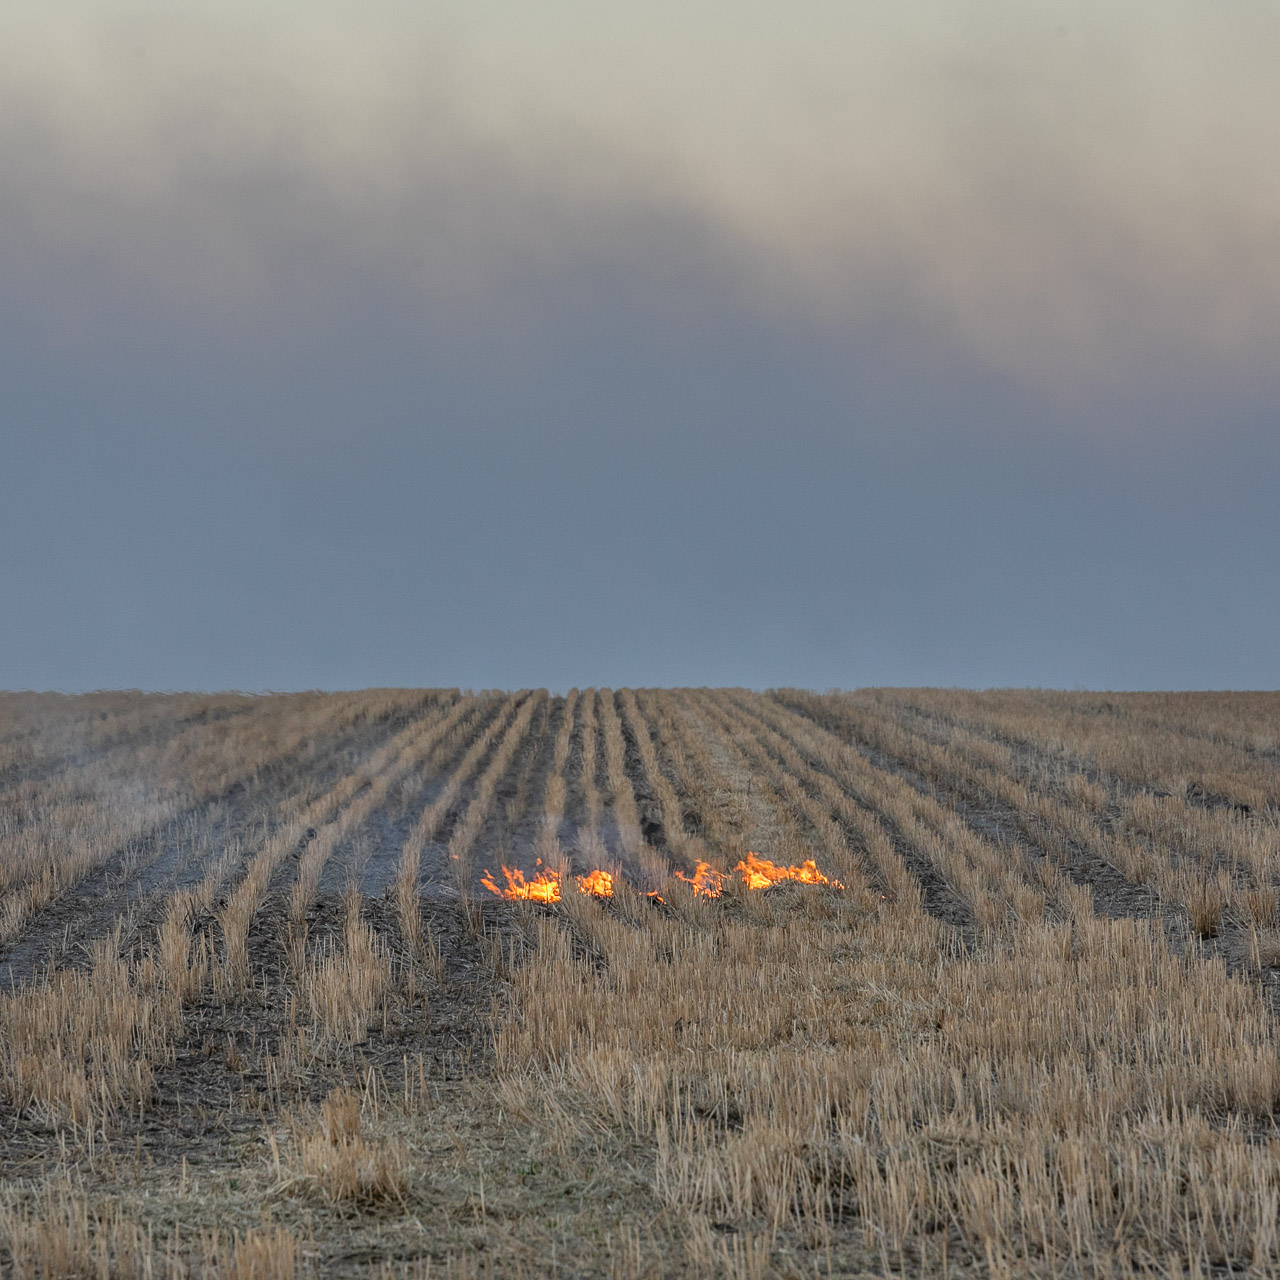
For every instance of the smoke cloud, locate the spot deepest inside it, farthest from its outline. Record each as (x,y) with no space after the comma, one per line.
(1078,200)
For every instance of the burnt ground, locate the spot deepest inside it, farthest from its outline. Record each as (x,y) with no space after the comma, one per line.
(516,818)
(370,858)
(437,876)
(136,882)
(647,806)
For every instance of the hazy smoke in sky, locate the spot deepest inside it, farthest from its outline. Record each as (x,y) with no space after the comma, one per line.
(1077,203)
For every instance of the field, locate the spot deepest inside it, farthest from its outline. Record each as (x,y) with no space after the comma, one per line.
(639,983)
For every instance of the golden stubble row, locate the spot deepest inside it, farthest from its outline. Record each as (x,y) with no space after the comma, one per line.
(1220,842)
(997,883)
(554,797)
(599,727)
(743,807)
(587,787)
(1200,861)
(1220,744)
(555,793)
(728,824)
(622,795)
(685,846)
(856,823)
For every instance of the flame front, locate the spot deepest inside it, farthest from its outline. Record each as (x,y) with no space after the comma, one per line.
(705,881)
(598,883)
(544,887)
(760,873)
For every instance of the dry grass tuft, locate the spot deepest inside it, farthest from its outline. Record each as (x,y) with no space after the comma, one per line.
(334,1158)
(1260,905)
(1206,902)
(1266,948)
(269,1253)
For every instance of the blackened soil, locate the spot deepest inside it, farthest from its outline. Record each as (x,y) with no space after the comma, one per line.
(137,881)
(650,811)
(516,819)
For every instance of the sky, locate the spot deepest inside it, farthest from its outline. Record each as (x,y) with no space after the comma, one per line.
(498,345)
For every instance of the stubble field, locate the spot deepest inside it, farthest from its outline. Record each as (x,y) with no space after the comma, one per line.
(639,983)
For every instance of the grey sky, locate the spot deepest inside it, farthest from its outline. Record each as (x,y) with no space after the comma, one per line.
(687,346)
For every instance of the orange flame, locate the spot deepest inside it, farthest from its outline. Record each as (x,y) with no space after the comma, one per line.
(760,873)
(756,872)
(705,881)
(599,883)
(544,887)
